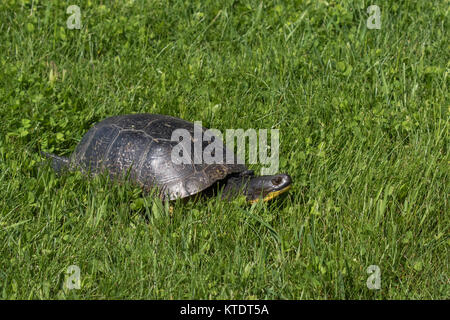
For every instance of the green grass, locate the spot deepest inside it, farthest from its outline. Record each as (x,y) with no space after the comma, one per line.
(363,120)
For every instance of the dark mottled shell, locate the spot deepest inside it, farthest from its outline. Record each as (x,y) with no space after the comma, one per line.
(139,146)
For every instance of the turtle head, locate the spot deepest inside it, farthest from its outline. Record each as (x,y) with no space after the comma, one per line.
(257,188)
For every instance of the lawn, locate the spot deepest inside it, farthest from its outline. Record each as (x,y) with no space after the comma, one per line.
(363,120)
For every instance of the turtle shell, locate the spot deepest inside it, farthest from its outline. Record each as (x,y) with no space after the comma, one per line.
(140,147)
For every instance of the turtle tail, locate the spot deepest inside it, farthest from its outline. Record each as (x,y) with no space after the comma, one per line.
(59,164)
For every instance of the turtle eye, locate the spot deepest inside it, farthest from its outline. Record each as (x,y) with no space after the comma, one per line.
(277,180)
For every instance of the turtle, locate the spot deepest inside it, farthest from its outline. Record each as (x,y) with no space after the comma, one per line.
(140,147)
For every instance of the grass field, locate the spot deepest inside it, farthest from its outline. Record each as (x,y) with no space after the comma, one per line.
(363,120)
